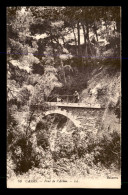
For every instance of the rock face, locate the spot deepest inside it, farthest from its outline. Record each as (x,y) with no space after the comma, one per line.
(103,88)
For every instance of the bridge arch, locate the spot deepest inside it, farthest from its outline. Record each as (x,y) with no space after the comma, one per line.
(62,112)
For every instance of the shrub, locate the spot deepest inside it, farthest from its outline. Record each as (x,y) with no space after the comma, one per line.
(107,150)
(23,155)
(10,166)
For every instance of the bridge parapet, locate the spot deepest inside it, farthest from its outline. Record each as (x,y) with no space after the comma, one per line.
(81,105)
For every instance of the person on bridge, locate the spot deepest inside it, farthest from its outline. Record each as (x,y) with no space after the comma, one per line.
(76,97)
(59,99)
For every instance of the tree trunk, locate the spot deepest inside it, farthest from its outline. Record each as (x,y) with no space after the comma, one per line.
(95,30)
(84,33)
(106,28)
(63,40)
(89,42)
(63,71)
(53,49)
(75,40)
(78,31)
(79,61)
(85,44)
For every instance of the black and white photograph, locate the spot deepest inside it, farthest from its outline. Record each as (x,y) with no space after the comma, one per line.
(63,96)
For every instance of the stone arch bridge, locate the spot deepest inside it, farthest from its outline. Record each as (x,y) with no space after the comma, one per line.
(82,115)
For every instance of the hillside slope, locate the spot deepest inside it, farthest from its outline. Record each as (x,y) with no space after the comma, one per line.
(104,88)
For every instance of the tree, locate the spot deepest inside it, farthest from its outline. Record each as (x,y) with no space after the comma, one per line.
(45,56)
(25,86)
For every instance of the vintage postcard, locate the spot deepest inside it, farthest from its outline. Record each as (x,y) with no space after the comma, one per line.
(64,97)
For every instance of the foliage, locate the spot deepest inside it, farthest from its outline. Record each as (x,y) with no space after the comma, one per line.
(53,64)
(23,156)
(76,153)
(108,150)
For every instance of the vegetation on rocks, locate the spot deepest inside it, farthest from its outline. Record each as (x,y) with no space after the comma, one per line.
(46,58)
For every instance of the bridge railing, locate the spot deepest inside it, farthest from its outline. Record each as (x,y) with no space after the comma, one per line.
(61,98)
